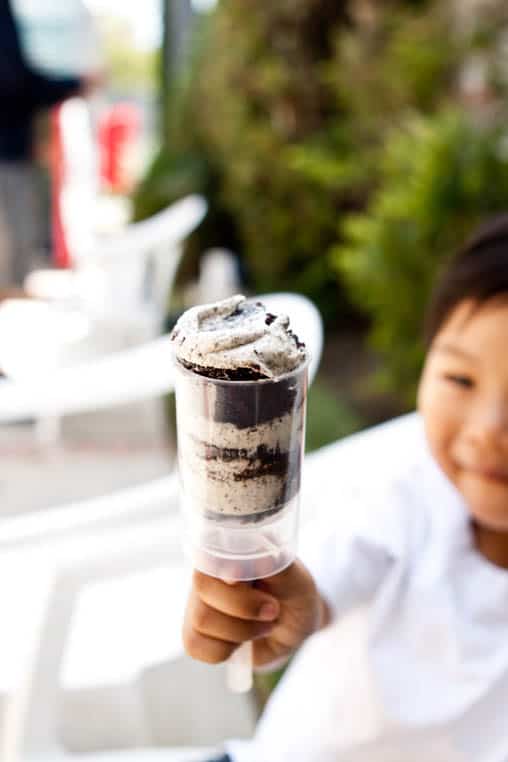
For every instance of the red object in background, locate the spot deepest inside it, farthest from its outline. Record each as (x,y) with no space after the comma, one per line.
(118,131)
(61,254)
(119,128)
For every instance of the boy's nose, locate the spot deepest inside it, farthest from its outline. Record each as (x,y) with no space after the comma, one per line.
(487,423)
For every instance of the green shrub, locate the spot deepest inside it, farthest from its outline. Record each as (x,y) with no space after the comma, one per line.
(439,177)
(328,417)
(287,108)
(186,164)
(295,99)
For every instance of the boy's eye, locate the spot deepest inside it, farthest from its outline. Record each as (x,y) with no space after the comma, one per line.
(464,381)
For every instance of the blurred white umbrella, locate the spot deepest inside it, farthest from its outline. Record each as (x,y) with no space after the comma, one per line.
(58,38)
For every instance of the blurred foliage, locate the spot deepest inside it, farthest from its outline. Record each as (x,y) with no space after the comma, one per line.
(328,417)
(304,122)
(186,164)
(440,177)
(259,93)
(283,110)
(129,68)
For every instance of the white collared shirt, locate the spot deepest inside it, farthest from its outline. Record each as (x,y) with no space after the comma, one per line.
(415,666)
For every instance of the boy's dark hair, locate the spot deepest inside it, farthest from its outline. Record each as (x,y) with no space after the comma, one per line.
(478,272)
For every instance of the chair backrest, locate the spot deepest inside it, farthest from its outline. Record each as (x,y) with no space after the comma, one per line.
(140,263)
(219,275)
(171,225)
(123,377)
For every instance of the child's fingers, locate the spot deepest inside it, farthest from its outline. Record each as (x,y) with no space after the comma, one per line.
(240,600)
(206,649)
(213,623)
(266,651)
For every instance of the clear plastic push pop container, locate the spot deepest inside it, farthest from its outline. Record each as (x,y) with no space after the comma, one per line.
(241,391)
(240,449)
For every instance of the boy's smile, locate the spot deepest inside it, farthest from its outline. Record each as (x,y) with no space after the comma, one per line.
(463,398)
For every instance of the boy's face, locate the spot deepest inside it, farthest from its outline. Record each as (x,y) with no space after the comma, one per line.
(463,397)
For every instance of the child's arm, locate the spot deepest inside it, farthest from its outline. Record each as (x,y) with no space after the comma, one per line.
(278,613)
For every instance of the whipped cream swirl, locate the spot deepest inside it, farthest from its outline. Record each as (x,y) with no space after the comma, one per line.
(234,335)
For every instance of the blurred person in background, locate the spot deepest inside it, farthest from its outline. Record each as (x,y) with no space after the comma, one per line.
(24,93)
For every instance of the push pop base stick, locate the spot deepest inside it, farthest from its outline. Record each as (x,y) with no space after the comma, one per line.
(239,669)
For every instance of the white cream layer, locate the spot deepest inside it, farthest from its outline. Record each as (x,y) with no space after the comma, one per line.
(210,484)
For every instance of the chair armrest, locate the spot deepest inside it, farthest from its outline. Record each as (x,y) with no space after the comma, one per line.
(170,226)
(128,507)
(123,377)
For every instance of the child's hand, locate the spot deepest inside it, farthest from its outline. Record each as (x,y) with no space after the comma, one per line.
(278,613)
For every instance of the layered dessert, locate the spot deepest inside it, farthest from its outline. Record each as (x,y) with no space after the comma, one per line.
(240,410)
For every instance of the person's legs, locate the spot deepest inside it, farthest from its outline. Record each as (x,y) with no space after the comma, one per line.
(21,233)
(6,274)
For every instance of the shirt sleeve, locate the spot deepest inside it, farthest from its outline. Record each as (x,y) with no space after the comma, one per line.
(353,531)
(34,91)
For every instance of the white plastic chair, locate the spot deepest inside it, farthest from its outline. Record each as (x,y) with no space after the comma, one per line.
(63,559)
(140,263)
(122,284)
(135,373)
(219,276)
(127,376)
(110,536)
(124,281)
